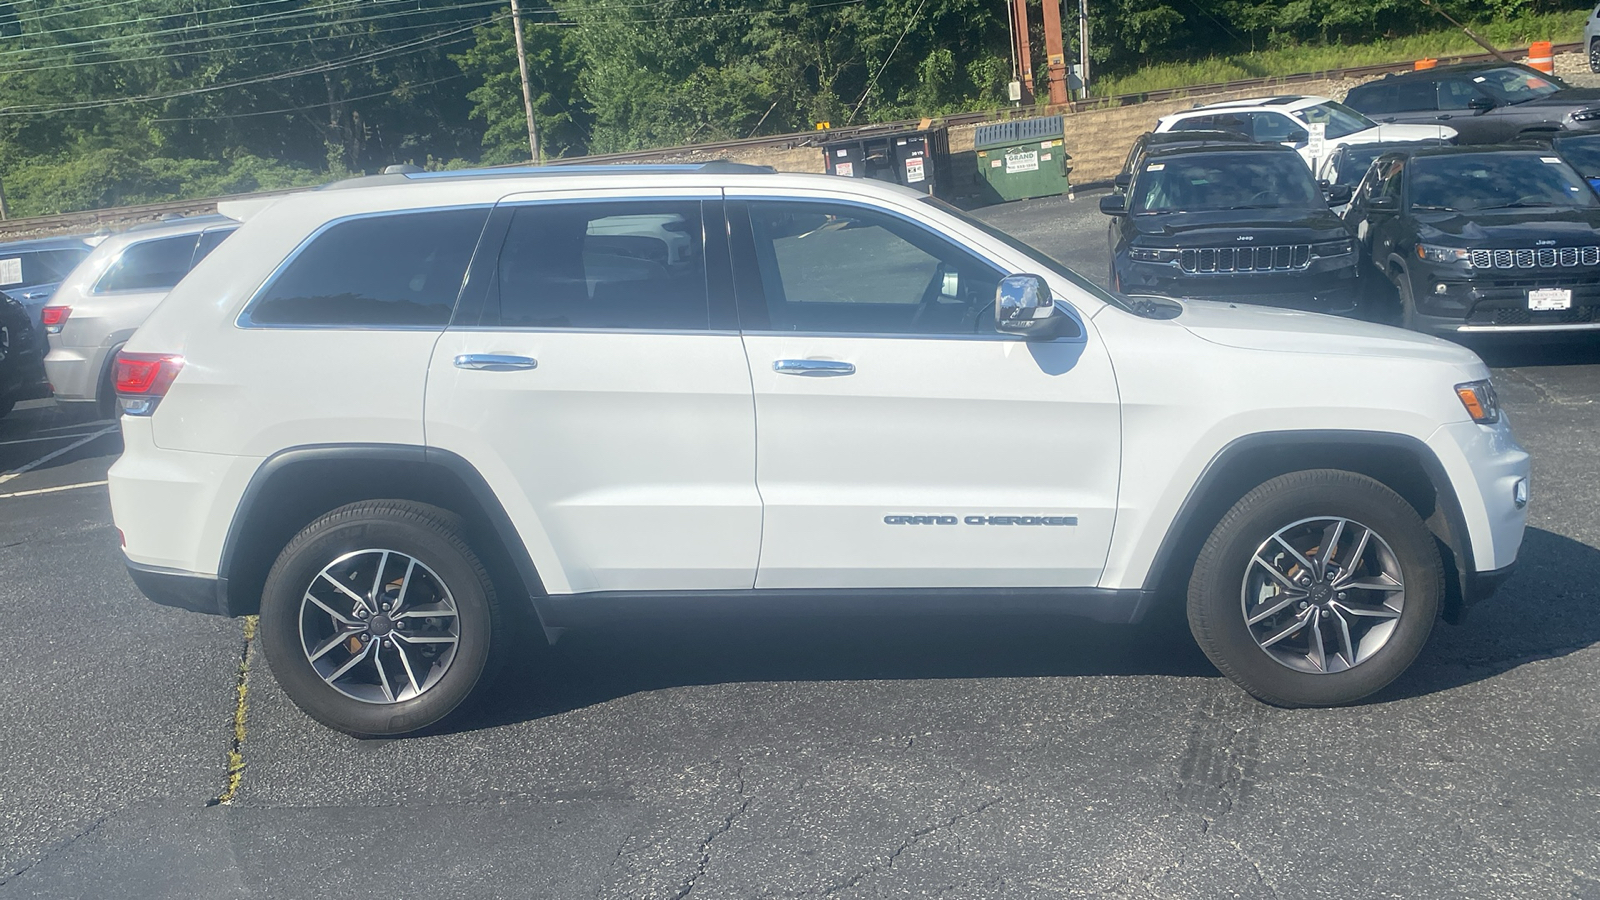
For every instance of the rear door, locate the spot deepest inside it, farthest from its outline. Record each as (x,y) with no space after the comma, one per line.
(595,377)
(901,441)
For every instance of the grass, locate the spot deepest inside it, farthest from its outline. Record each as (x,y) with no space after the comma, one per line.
(1558,28)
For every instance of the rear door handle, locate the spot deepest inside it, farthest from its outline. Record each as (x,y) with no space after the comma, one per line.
(815,368)
(495,362)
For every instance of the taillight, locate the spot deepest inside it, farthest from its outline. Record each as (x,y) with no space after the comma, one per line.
(53,317)
(143,378)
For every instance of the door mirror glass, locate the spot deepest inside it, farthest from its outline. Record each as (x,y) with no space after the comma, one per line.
(1298,136)
(1338,194)
(1122,181)
(1114,204)
(1023,305)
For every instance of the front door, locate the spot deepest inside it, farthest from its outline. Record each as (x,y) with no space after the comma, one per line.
(902,442)
(596,379)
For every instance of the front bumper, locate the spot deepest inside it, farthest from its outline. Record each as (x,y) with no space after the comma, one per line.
(1491,305)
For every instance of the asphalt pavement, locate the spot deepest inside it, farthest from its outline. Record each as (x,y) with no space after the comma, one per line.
(962,758)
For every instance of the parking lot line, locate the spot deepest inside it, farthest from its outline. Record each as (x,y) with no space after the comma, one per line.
(51,490)
(35,440)
(55,453)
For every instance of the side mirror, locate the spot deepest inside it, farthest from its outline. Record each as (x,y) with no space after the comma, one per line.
(1122,181)
(1338,194)
(1297,136)
(1383,205)
(1023,306)
(1114,204)
(1481,104)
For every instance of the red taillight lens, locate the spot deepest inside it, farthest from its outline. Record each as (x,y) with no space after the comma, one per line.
(53,317)
(143,378)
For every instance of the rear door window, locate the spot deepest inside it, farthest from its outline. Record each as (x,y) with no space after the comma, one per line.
(1372,99)
(392,270)
(154,265)
(634,264)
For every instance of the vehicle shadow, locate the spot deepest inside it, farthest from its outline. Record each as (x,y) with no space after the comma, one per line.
(1514,351)
(607,662)
(1548,609)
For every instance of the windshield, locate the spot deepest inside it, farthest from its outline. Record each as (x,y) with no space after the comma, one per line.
(1044,259)
(1225,180)
(1340,119)
(1582,153)
(1513,84)
(1479,181)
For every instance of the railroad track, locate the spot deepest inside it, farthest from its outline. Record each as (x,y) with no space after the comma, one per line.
(92,220)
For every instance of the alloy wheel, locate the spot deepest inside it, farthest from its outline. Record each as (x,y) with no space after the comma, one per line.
(379,626)
(1323,595)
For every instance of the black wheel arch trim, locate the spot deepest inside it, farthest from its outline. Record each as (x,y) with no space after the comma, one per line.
(481,495)
(1466,587)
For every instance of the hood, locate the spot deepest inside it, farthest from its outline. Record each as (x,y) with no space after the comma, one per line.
(1207,226)
(1571,98)
(1391,132)
(1290,331)
(1511,228)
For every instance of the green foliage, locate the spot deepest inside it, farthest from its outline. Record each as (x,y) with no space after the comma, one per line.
(104,104)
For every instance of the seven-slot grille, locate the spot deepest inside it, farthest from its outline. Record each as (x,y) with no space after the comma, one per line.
(1542,258)
(1280,258)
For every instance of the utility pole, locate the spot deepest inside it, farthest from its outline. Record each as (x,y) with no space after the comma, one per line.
(1083,45)
(1024,52)
(1055,56)
(527,92)
(4,213)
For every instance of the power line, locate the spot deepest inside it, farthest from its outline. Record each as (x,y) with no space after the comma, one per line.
(874,80)
(251,20)
(400,49)
(296,109)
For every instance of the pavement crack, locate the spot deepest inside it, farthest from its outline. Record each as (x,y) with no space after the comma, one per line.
(241,706)
(58,848)
(723,828)
(911,841)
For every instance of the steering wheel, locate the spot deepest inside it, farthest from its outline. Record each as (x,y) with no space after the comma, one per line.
(1260,195)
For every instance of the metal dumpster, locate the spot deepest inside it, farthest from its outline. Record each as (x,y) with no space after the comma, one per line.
(1022,158)
(917,158)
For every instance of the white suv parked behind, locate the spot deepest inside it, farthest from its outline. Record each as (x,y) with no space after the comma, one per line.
(99,306)
(394,414)
(1287,120)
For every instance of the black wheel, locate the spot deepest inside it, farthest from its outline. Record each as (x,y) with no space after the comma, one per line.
(1594,55)
(378,619)
(1407,304)
(1317,589)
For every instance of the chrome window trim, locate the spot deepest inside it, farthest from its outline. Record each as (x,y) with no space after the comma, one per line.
(538,329)
(1066,308)
(243,320)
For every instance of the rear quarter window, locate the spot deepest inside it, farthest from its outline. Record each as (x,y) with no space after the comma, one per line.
(395,269)
(156,265)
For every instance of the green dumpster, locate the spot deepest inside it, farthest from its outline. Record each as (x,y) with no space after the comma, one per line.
(1022,158)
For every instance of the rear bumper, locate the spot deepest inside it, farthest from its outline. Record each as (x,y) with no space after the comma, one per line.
(183,590)
(75,372)
(1480,586)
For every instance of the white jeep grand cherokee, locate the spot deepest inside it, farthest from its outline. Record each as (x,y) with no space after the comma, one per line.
(395,414)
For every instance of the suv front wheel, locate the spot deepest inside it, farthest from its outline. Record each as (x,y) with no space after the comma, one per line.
(1316,589)
(378,619)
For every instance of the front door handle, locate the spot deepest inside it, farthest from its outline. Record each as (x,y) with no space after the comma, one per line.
(495,362)
(815,368)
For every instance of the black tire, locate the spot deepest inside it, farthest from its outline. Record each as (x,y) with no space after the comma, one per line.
(432,537)
(1216,604)
(1594,55)
(1408,304)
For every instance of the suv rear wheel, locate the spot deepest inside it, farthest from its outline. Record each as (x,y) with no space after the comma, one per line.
(1594,55)
(378,619)
(1317,589)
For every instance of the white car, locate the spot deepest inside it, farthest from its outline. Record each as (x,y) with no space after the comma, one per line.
(1287,120)
(398,416)
(98,307)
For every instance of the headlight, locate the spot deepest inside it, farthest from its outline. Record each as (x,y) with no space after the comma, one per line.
(1333,248)
(1586,115)
(1154,254)
(1480,400)
(1441,254)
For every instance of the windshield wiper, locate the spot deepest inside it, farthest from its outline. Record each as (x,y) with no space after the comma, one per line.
(1434,208)
(1517,205)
